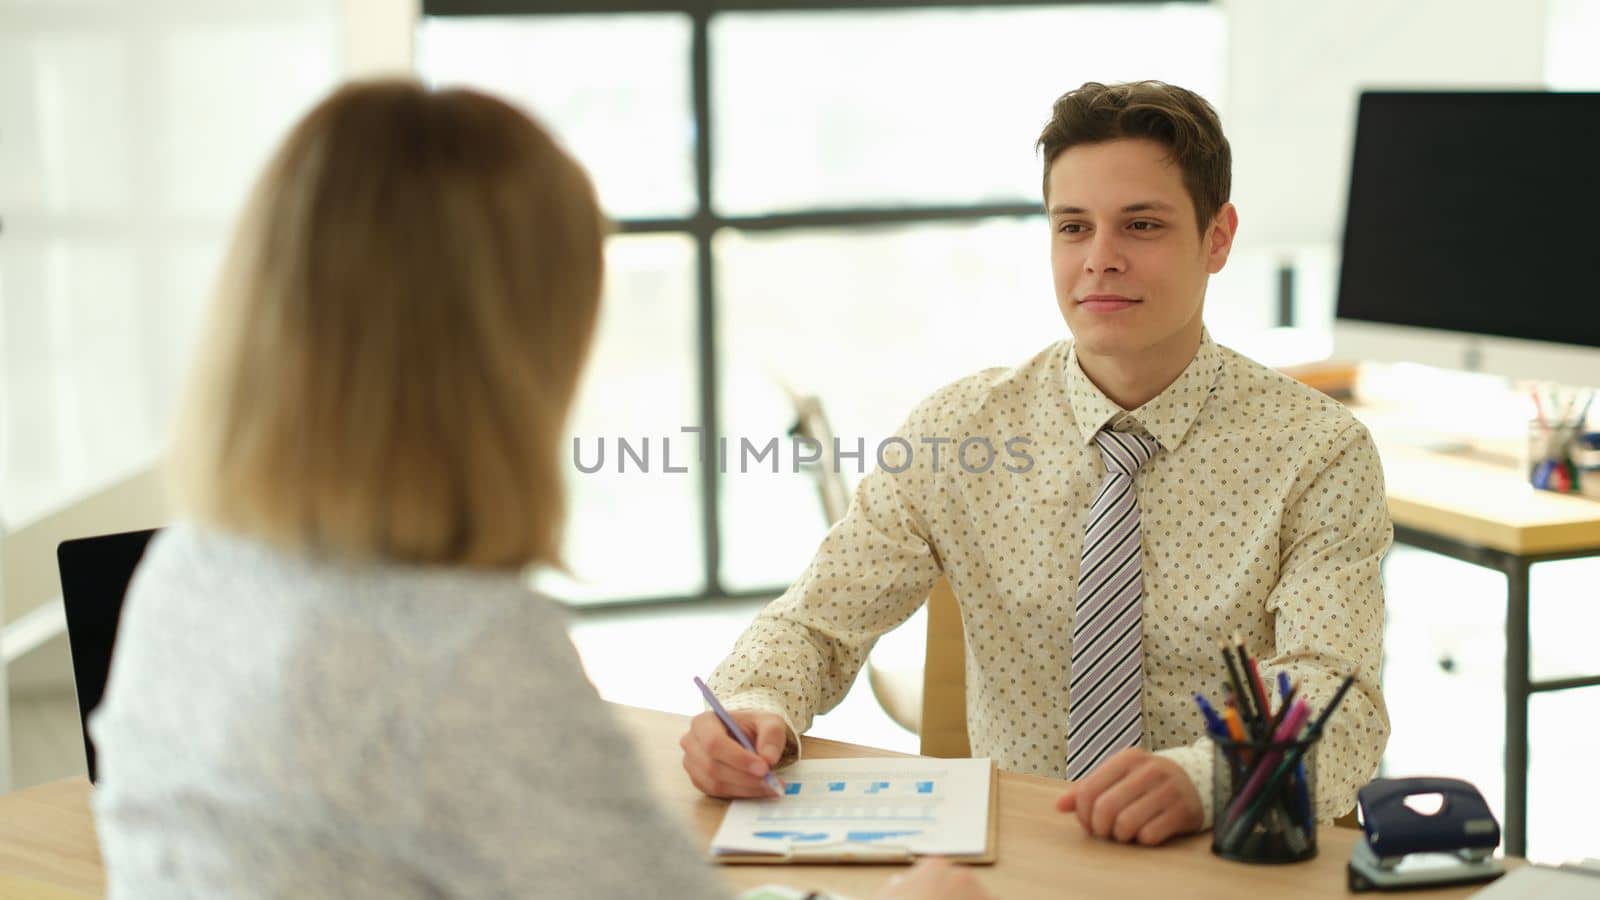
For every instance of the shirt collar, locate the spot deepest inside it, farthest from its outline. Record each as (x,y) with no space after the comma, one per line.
(1167,417)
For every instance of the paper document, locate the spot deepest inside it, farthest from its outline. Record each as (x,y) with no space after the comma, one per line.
(916,804)
(1543,882)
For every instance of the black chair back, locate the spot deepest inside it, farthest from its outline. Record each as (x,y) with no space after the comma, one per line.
(95,572)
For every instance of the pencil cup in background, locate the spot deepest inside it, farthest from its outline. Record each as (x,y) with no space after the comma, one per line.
(1263,801)
(1549,462)
(1586,458)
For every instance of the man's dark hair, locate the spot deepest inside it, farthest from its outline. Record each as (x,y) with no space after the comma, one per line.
(1178,119)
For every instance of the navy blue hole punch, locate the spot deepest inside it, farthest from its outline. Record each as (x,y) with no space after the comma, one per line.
(1405,848)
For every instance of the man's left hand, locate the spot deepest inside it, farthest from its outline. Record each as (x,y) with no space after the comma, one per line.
(1135,796)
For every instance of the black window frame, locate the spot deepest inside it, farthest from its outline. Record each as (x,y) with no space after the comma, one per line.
(704,222)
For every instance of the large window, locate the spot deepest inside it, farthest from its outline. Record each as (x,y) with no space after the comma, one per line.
(838,199)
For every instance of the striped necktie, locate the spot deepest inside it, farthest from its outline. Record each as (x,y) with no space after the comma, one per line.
(1104,712)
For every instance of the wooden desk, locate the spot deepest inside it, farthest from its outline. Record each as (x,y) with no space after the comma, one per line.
(1476,506)
(48,848)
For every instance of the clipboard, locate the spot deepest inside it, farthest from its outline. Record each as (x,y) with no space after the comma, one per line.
(875,853)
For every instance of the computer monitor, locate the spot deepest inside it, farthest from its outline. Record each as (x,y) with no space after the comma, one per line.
(1472,235)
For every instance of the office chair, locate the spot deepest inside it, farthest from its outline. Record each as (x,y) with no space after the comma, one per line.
(95,573)
(924,693)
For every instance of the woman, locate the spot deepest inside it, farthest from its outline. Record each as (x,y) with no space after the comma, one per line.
(331,678)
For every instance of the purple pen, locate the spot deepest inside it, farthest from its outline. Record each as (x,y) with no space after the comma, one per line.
(736,731)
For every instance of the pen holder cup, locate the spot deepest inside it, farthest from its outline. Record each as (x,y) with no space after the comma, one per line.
(1549,458)
(1264,801)
(1586,456)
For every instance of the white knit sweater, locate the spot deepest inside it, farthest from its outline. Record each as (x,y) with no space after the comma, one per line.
(276,726)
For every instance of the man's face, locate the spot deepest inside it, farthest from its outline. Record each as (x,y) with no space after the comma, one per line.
(1130,265)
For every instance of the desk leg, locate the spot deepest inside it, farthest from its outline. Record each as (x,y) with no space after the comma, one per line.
(1517,690)
(5,689)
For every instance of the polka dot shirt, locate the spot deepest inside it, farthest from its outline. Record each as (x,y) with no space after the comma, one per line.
(1263,514)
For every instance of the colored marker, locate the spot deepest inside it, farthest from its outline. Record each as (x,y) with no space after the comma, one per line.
(1233,679)
(1258,691)
(1214,723)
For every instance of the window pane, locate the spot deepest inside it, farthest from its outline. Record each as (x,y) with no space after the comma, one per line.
(615,88)
(637,533)
(871,321)
(130,138)
(63,158)
(930,106)
(1434,667)
(76,365)
(1561,747)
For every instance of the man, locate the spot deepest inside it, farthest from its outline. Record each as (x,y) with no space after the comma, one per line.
(1174,494)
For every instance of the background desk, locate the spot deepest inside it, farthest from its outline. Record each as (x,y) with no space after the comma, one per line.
(48,848)
(1477,507)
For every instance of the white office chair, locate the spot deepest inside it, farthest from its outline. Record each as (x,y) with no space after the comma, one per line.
(918,671)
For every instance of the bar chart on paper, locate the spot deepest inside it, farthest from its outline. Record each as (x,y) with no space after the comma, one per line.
(916,805)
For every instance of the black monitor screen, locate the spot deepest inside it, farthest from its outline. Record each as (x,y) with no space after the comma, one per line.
(95,573)
(1476,212)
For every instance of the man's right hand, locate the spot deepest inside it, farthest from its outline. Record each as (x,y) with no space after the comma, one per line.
(716,763)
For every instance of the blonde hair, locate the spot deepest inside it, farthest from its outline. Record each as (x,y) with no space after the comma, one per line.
(397,335)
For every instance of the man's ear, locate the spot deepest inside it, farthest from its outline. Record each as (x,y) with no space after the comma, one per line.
(1219,237)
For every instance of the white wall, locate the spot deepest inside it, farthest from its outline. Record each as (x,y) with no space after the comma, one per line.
(378,36)
(1296,68)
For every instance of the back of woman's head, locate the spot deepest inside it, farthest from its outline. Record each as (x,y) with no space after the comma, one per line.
(397,335)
